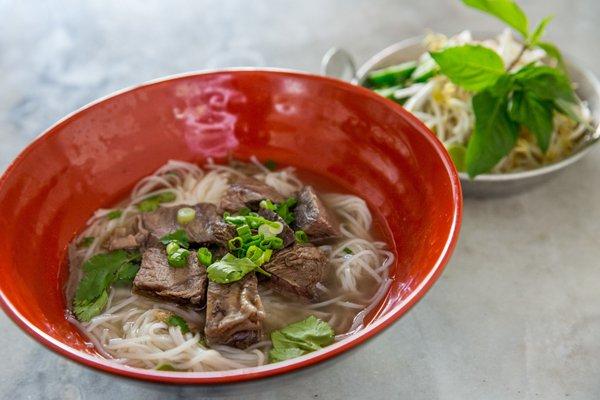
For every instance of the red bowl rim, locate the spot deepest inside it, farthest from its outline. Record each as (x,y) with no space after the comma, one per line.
(245,374)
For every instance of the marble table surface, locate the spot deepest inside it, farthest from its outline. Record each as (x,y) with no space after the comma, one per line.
(516,314)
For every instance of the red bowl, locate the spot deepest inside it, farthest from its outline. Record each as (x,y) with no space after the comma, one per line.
(345,134)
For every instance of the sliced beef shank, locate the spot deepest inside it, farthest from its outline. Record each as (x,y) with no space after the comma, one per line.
(313,218)
(295,272)
(156,278)
(248,192)
(207,227)
(129,236)
(234,313)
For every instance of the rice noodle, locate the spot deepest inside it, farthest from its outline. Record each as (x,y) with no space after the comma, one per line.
(132,330)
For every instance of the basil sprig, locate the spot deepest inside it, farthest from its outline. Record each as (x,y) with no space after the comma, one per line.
(507,101)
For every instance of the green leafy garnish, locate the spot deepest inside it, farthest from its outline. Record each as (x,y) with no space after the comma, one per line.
(152,203)
(348,250)
(300,236)
(86,242)
(506,102)
(165,367)
(473,67)
(114,214)
(99,273)
(230,269)
(505,10)
(494,136)
(300,338)
(271,165)
(284,210)
(458,153)
(179,236)
(176,320)
(204,256)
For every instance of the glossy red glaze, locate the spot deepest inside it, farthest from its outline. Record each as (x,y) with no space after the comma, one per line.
(345,134)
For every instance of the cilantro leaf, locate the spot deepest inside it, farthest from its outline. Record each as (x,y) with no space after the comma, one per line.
(176,320)
(85,310)
(152,203)
(179,236)
(505,10)
(535,114)
(473,67)
(230,269)
(300,338)
(494,134)
(539,30)
(271,165)
(127,273)
(99,273)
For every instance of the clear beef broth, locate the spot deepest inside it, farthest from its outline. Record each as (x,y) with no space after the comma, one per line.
(351,285)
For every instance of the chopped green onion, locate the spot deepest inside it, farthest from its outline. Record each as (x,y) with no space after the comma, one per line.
(267,204)
(86,241)
(244,232)
(178,258)
(348,250)
(185,215)
(271,230)
(172,247)
(204,256)
(114,214)
(234,219)
(235,243)
(176,320)
(271,165)
(284,212)
(151,203)
(301,236)
(165,367)
(244,211)
(272,242)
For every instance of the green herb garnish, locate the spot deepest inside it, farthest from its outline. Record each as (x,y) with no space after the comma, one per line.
(114,214)
(505,101)
(204,256)
(152,203)
(348,250)
(176,320)
(271,165)
(99,273)
(86,241)
(230,269)
(179,237)
(177,244)
(301,236)
(165,367)
(300,338)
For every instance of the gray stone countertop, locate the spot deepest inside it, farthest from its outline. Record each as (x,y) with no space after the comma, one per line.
(516,314)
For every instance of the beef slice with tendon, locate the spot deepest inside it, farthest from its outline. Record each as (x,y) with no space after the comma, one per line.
(248,192)
(313,218)
(295,272)
(207,226)
(156,278)
(234,313)
(287,234)
(129,236)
